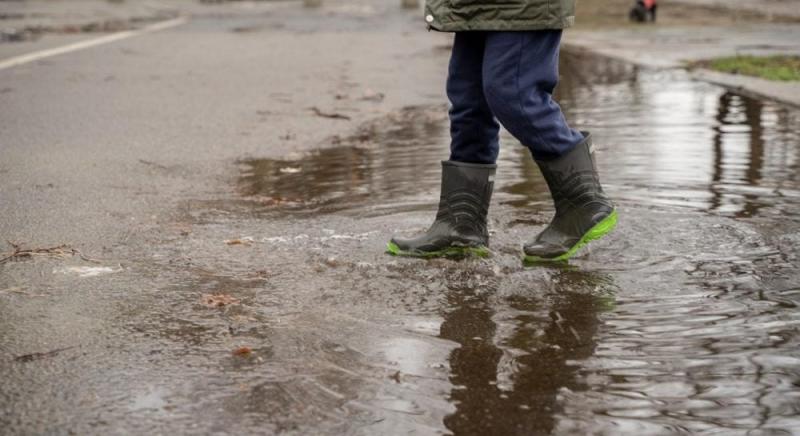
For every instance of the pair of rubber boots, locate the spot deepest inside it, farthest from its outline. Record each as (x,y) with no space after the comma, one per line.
(583,212)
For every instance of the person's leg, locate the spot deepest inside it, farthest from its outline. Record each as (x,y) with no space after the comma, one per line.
(468,177)
(640,11)
(473,129)
(520,72)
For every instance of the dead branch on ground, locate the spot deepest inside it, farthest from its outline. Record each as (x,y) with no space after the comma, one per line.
(18,252)
(335,116)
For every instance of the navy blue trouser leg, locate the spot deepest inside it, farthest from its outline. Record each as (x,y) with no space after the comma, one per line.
(518,75)
(473,129)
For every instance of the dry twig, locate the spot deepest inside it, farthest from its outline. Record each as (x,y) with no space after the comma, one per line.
(335,116)
(58,251)
(37,356)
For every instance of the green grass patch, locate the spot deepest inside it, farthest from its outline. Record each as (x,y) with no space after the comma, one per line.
(782,68)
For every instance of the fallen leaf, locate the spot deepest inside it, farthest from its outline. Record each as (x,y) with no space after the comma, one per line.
(239,241)
(218,300)
(243,351)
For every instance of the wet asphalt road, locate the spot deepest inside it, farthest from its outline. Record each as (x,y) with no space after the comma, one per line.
(95,141)
(240,284)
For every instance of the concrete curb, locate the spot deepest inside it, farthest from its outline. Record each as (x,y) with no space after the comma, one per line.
(783,92)
(787,93)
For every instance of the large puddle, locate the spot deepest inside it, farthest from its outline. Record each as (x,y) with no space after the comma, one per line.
(684,320)
(664,141)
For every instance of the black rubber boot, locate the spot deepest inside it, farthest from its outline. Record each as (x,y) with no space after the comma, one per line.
(460,225)
(583,212)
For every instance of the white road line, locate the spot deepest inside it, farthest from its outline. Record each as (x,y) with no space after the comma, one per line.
(35,56)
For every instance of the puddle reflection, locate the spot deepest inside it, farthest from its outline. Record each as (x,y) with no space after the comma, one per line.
(383,160)
(514,359)
(665,141)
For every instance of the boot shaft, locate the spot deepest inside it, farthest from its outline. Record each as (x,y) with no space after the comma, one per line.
(466,193)
(573,179)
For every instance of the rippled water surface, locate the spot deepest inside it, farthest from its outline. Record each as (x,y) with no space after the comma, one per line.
(684,320)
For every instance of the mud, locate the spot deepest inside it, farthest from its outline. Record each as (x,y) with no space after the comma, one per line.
(683,320)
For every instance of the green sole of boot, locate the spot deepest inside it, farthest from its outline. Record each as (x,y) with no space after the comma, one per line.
(394,250)
(598,231)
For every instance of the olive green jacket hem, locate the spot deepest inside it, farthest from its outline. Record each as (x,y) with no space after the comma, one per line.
(499,15)
(499,25)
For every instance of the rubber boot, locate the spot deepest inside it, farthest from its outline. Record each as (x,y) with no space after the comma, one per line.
(583,212)
(460,225)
